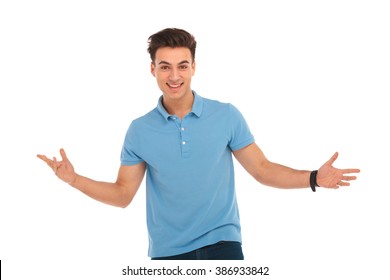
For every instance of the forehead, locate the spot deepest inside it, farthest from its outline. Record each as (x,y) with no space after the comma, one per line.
(173,55)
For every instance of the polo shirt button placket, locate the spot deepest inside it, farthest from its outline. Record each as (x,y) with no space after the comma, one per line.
(182,129)
(185,148)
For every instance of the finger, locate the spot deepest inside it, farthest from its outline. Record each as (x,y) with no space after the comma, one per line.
(55,165)
(343,184)
(348,178)
(63,155)
(351,170)
(44,158)
(48,161)
(333,158)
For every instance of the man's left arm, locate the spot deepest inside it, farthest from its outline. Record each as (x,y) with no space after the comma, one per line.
(276,175)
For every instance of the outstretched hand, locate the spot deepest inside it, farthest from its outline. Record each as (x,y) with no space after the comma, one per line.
(331,177)
(63,169)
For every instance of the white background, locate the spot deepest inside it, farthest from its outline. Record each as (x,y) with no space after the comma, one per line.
(310,77)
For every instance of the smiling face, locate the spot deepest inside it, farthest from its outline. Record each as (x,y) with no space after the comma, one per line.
(173,69)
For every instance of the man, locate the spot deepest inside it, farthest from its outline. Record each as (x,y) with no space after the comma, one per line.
(186,145)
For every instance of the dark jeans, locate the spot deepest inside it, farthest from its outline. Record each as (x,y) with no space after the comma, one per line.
(223,250)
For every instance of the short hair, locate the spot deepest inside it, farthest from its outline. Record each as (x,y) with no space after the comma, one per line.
(171,37)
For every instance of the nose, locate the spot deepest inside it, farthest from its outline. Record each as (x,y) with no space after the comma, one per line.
(174,74)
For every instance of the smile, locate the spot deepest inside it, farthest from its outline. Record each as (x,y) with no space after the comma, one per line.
(174,86)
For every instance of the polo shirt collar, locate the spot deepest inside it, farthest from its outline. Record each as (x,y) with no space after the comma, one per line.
(197,107)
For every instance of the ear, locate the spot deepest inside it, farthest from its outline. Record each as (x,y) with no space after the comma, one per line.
(153,69)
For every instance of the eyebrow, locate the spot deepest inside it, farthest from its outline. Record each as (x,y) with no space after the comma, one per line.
(180,63)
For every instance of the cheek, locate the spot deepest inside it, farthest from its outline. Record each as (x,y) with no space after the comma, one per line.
(161,76)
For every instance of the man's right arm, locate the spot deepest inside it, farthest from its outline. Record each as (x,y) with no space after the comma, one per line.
(119,193)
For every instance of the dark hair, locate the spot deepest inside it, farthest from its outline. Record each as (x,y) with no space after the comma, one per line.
(171,37)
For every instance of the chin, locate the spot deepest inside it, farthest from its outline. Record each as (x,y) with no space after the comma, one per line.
(174,93)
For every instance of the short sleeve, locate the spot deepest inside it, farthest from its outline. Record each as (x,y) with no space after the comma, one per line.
(129,155)
(240,134)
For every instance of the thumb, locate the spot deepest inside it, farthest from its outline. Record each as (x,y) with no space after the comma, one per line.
(63,155)
(333,158)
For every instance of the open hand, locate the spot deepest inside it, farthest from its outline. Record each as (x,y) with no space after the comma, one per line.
(331,177)
(63,169)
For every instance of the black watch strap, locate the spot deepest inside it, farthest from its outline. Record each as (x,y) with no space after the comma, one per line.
(313,180)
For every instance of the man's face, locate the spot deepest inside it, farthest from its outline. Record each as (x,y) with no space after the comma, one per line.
(173,69)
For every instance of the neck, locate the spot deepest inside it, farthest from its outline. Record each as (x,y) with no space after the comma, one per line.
(179,107)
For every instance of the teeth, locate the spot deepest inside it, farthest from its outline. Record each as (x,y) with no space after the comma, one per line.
(174,86)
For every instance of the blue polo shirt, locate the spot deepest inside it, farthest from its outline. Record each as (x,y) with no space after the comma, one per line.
(190,194)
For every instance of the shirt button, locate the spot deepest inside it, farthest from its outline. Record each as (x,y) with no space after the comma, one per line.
(182,128)
(184,142)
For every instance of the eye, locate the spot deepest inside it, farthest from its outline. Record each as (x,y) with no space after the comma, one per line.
(183,67)
(164,67)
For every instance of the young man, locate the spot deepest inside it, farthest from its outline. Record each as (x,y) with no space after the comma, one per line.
(186,145)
